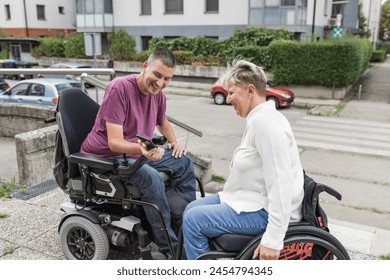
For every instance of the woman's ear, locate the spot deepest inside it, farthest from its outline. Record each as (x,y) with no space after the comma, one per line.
(251,90)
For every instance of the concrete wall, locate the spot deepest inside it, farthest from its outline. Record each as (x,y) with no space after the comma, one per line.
(35,155)
(34,140)
(18,118)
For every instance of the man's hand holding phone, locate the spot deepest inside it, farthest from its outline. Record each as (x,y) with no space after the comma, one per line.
(149,150)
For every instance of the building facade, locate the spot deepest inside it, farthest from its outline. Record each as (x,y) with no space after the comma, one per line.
(146,19)
(37,18)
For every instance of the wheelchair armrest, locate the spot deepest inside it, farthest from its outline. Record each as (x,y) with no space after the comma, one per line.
(93,161)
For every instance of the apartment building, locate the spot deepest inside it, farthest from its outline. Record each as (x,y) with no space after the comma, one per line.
(37,18)
(146,19)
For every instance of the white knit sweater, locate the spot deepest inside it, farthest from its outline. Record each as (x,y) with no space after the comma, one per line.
(266,172)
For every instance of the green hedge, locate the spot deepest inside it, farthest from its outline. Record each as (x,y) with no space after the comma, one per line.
(378,56)
(384,46)
(327,63)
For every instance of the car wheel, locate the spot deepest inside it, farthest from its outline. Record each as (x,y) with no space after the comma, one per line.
(219,98)
(275,100)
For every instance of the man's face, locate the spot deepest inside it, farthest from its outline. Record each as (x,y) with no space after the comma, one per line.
(156,76)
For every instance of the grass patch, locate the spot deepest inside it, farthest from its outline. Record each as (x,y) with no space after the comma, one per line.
(6,188)
(3,216)
(385,258)
(8,250)
(218,179)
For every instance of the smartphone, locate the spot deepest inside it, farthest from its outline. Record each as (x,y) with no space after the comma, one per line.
(149,144)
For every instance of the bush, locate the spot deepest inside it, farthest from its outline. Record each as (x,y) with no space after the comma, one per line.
(257,54)
(51,47)
(74,47)
(184,57)
(378,56)
(384,46)
(122,46)
(327,63)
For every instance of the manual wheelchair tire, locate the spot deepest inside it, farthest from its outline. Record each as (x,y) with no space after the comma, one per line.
(82,239)
(305,243)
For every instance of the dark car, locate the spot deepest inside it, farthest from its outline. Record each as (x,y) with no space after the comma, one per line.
(38,91)
(281,96)
(3,85)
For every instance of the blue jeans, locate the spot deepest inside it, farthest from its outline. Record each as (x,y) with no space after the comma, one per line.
(152,190)
(208,217)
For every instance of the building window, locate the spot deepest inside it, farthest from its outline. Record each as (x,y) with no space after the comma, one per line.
(256,3)
(271,16)
(212,6)
(288,3)
(270,3)
(89,7)
(173,6)
(7,12)
(256,17)
(80,7)
(61,10)
(145,42)
(146,7)
(287,16)
(41,12)
(108,6)
(26,47)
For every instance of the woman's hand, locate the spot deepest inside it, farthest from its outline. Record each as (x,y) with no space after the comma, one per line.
(265,253)
(177,149)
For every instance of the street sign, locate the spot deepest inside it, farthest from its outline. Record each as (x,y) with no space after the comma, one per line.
(337,32)
(92,44)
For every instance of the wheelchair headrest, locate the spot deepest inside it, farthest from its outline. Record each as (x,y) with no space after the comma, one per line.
(76,113)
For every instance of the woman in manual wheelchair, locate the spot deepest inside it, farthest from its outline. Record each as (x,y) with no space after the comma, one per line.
(264,192)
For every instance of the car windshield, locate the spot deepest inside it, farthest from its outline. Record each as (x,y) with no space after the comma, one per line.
(61,87)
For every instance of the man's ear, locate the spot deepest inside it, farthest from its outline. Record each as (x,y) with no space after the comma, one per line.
(145,65)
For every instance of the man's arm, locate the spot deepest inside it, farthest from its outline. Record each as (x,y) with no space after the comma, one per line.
(118,144)
(167,131)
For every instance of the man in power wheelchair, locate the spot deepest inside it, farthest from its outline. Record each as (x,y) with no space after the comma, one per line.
(133,104)
(104,210)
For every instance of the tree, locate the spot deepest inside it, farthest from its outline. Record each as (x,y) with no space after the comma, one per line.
(122,45)
(385,21)
(363,27)
(74,46)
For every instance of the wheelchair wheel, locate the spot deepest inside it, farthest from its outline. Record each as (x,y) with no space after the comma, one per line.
(83,240)
(304,243)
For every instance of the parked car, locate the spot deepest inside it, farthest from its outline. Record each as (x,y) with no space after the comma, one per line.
(44,91)
(66,76)
(281,96)
(3,85)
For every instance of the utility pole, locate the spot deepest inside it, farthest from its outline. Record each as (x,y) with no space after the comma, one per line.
(314,19)
(25,18)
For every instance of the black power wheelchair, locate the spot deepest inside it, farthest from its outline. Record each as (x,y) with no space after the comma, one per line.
(105,212)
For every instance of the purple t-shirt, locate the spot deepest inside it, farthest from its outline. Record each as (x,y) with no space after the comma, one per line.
(126,105)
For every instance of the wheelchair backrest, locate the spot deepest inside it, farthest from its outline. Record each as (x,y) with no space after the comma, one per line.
(76,113)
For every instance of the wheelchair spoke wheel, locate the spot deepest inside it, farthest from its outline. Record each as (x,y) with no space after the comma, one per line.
(83,240)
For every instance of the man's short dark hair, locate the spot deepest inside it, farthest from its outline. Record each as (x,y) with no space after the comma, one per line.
(164,55)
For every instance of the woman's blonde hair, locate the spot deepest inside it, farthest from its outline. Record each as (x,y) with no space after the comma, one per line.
(240,71)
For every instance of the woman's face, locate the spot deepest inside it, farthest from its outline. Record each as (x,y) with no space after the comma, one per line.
(239,97)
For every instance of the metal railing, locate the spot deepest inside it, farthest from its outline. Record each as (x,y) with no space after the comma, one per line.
(87,78)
